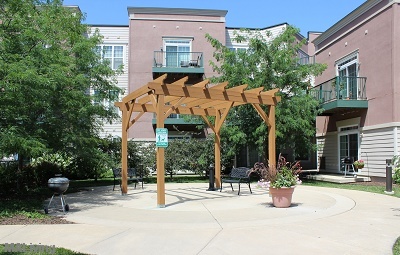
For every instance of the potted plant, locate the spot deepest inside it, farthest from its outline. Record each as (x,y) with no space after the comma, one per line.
(359,164)
(280,180)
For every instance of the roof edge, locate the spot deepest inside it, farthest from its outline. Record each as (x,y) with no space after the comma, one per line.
(346,20)
(263,28)
(177,11)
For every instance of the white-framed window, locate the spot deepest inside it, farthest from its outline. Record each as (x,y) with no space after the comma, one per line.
(113,53)
(108,104)
(238,48)
(177,51)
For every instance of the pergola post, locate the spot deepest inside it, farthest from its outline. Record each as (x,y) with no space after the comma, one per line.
(219,120)
(124,152)
(160,155)
(271,136)
(217,154)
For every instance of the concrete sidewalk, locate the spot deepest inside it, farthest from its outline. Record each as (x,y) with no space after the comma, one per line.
(196,221)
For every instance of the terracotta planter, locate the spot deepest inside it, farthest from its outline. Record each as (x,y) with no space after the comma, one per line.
(281,197)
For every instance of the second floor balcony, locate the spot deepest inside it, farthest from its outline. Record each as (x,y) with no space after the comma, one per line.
(178,62)
(341,92)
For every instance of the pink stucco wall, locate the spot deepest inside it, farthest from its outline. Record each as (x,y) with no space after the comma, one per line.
(310,45)
(377,42)
(146,36)
(396,62)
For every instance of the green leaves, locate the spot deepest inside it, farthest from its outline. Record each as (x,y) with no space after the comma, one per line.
(48,66)
(270,63)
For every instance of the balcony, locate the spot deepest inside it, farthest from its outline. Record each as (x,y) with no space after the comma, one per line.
(309,60)
(177,123)
(340,93)
(176,119)
(178,62)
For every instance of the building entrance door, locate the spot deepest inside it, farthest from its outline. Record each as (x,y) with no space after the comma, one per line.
(348,147)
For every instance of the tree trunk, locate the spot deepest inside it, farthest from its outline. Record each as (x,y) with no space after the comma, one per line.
(19,171)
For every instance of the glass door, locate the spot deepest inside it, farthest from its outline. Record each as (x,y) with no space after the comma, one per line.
(177,53)
(347,73)
(348,147)
(171,56)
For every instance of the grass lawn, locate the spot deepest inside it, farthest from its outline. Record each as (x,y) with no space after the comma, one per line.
(57,251)
(396,247)
(367,186)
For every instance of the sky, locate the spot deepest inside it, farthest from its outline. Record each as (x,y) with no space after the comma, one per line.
(307,15)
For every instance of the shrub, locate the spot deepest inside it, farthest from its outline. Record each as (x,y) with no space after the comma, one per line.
(396,168)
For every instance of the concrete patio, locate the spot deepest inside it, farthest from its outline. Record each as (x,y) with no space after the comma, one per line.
(196,221)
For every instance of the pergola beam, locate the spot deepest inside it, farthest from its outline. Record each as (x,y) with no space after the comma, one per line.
(178,110)
(262,114)
(173,107)
(211,94)
(143,90)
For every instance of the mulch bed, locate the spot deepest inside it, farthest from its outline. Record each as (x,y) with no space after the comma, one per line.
(23,220)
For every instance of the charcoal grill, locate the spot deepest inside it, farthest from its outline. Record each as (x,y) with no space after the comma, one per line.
(58,185)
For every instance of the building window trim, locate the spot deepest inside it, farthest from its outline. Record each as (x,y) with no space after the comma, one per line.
(117,58)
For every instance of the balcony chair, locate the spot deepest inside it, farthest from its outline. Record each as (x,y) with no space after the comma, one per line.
(195,62)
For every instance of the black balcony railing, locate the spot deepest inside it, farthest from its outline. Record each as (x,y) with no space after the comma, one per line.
(177,59)
(341,88)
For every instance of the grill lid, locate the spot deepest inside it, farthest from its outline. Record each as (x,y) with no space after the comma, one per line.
(58,180)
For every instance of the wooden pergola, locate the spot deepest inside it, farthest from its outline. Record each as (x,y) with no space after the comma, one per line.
(198,99)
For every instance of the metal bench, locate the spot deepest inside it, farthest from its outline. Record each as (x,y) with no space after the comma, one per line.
(238,175)
(133,176)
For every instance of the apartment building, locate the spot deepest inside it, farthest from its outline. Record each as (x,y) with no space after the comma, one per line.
(359,89)
(172,41)
(115,49)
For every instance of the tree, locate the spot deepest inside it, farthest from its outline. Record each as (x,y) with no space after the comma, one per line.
(48,67)
(271,63)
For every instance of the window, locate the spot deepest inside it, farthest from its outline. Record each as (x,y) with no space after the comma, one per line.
(238,49)
(303,58)
(112,53)
(107,103)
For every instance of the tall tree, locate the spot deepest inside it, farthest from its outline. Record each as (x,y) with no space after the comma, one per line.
(271,63)
(48,69)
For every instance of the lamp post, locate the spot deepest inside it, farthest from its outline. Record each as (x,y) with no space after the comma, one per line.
(389,181)
(211,178)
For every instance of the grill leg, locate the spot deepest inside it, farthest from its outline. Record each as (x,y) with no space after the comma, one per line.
(51,199)
(62,202)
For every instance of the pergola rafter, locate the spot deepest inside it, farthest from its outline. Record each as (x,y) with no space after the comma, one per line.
(198,99)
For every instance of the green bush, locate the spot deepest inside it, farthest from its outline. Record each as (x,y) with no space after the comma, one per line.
(396,168)
(17,181)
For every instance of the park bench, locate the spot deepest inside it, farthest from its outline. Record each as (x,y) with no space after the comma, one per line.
(238,175)
(133,176)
